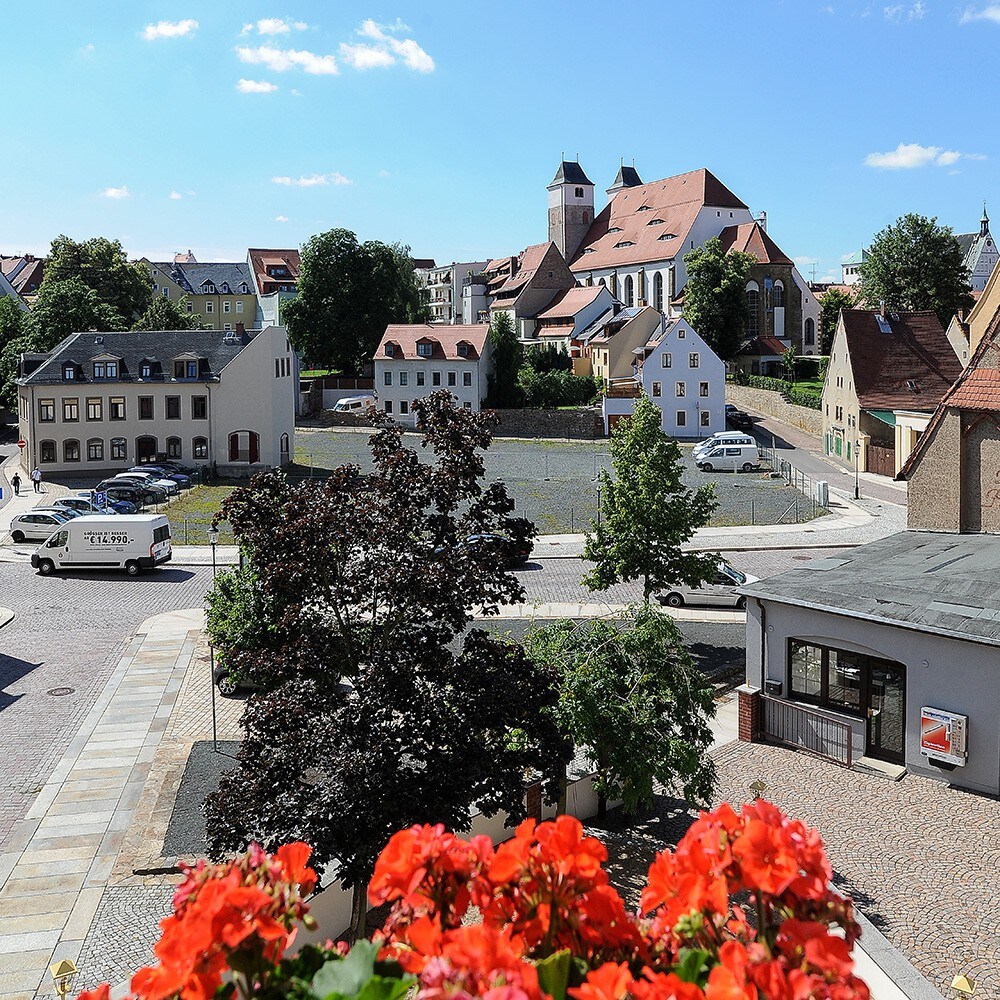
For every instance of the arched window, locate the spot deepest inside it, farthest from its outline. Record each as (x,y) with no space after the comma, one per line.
(753,309)
(95,450)
(629,293)
(199,447)
(778,295)
(810,332)
(119,449)
(244,446)
(173,447)
(613,285)
(47,451)
(145,449)
(658,291)
(71,450)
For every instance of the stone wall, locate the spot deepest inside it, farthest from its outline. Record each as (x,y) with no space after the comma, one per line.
(585,423)
(770,404)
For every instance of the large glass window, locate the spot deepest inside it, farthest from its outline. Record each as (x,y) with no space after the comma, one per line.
(173,447)
(95,450)
(95,408)
(843,679)
(806,670)
(71,410)
(753,311)
(119,449)
(658,291)
(47,451)
(46,411)
(199,447)
(834,678)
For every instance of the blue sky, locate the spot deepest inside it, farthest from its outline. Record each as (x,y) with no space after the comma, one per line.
(439,124)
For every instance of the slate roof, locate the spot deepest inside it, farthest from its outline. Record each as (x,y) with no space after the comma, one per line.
(133,348)
(750,237)
(192,277)
(570,172)
(445,339)
(24,273)
(916,350)
(965,241)
(928,581)
(626,177)
(633,227)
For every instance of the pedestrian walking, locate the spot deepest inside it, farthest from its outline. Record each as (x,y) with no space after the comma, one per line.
(36,479)
(15,481)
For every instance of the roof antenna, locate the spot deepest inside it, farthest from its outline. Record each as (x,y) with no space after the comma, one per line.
(578,156)
(562,154)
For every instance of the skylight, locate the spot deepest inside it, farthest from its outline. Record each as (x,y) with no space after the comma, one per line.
(624,243)
(667,236)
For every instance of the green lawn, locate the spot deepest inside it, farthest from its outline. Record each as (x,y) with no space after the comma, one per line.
(816,384)
(192,513)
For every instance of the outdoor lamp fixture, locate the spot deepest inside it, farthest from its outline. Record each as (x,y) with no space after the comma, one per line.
(758,787)
(213,540)
(63,973)
(213,536)
(964,986)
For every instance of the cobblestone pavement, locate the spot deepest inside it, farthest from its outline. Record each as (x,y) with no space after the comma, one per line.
(920,859)
(56,655)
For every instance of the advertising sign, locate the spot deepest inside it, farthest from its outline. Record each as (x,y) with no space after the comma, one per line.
(943,735)
(102,538)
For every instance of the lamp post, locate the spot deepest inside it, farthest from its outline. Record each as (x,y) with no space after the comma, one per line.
(758,787)
(964,986)
(213,540)
(597,479)
(63,973)
(857,483)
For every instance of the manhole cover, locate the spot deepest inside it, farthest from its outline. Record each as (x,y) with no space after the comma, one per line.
(59,692)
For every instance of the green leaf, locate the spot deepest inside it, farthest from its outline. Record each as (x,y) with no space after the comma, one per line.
(347,976)
(693,965)
(553,974)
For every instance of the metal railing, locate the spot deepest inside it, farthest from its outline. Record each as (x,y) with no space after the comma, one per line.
(804,729)
(806,485)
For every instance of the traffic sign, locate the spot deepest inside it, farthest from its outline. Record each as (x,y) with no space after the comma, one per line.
(22,444)
(100,499)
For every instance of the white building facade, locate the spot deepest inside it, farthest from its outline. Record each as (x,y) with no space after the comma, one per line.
(443,289)
(105,402)
(414,360)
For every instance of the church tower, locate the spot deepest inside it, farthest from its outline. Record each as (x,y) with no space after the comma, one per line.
(627,177)
(571,208)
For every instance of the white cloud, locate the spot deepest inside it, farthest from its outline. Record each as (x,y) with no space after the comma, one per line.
(383,173)
(313,180)
(116,193)
(275,26)
(175,196)
(255,87)
(280,60)
(899,12)
(384,49)
(362,56)
(806,261)
(296,93)
(909,155)
(281,218)
(169,29)
(989,13)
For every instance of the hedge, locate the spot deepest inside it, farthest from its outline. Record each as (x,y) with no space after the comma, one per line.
(790,393)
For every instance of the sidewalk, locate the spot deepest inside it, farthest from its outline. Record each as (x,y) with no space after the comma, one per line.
(12,505)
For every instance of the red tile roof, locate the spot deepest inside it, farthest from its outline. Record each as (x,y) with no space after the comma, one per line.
(570,302)
(980,390)
(260,260)
(916,350)
(629,229)
(444,338)
(763,347)
(751,238)
(528,262)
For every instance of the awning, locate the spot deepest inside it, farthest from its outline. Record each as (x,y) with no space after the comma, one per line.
(886,416)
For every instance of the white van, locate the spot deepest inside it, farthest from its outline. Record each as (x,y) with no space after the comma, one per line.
(132,542)
(729,458)
(722,437)
(355,404)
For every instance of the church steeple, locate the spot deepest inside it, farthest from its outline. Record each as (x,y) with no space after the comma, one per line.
(571,207)
(984,223)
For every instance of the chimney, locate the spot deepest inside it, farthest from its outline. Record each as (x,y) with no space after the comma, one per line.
(240,329)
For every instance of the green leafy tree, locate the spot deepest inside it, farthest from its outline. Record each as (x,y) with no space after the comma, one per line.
(69,306)
(630,695)
(165,314)
(12,318)
(831,302)
(348,292)
(378,707)
(916,264)
(507,357)
(102,265)
(648,512)
(788,360)
(715,302)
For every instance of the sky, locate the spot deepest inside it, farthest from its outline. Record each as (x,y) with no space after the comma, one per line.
(217,126)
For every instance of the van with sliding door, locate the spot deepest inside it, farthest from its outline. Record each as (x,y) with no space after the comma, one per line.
(132,542)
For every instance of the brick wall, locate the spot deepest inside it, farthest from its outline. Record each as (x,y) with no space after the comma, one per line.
(750,714)
(584,423)
(772,405)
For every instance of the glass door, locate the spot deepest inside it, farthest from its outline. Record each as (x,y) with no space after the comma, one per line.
(886,729)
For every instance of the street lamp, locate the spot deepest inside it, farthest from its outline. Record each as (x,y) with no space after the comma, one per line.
(213,540)
(597,479)
(758,787)
(63,973)
(964,986)
(857,484)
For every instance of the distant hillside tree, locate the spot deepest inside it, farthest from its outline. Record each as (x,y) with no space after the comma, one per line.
(916,264)
(507,357)
(831,302)
(102,265)
(165,314)
(715,302)
(348,292)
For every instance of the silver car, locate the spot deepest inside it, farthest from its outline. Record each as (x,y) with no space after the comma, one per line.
(721,591)
(37,525)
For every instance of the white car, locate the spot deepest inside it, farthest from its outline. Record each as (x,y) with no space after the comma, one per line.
(722,438)
(148,478)
(719,592)
(37,525)
(82,505)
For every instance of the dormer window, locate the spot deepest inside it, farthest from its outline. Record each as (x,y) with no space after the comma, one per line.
(644,208)
(655,222)
(388,350)
(100,369)
(615,229)
(146,370)
(208,288)
(425,348)
(225,288)
(667,236)
(463,349)
(624,243)
(243,288)
(589,250)
(69,372)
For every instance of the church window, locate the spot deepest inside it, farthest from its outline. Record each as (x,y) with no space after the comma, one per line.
(578,192)
(753,309)
(658,291)
(810,332)
(629,294)
(778,295)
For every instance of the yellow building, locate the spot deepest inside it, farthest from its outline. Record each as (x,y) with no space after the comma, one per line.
(219,294)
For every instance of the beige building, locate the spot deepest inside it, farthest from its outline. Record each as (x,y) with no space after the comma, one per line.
(887,373)
(103,402)
(219,294)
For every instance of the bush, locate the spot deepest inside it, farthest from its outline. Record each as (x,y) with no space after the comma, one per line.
(555,388)
(548,359)
(800,396)
(797,395)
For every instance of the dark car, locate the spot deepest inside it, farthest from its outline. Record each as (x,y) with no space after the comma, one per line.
(738,420)
(165,472)
(119,490)
(515,553)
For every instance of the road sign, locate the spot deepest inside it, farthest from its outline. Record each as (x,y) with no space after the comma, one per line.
(100,499)
(22,444)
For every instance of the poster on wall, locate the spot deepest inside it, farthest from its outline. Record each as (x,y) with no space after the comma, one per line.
(943,735)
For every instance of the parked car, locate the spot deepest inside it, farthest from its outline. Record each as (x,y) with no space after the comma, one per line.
(134,543)
(355,404)
(151,492)
(719,591)
(739,421)
(37,525)
(120,489)
(722,437)
(82,505)
(151,479)
(162,472)
(730,458)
